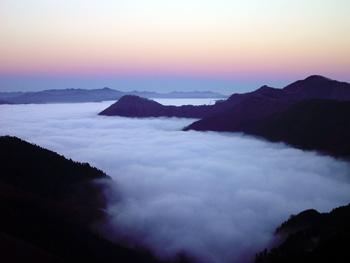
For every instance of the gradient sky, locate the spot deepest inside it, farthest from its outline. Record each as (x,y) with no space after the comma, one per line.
(222,45)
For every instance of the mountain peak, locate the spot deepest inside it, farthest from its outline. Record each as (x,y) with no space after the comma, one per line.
(106,89)
(133,106)
(265,87)
(136,102)
(317,78)
(319,87)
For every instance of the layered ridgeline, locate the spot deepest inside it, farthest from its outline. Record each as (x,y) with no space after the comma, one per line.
(48,204)
(310,114)
(312,237)
(94,95)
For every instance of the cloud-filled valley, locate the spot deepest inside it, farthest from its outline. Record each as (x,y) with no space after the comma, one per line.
(217,197)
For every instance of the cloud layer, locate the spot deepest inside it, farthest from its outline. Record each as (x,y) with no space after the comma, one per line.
(217,197)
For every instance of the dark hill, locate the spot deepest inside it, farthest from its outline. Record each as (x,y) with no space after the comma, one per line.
(312,237)
(290,115)
(243,112)
(134,106)
(48,204)
(322,125)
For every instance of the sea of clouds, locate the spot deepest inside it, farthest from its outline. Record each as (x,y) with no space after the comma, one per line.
(217,197)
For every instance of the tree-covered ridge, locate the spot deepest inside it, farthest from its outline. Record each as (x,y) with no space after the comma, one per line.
(48,204)
(40,171)
(312,237)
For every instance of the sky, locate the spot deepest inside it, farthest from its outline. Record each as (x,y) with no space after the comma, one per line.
(162,45)
(216,196)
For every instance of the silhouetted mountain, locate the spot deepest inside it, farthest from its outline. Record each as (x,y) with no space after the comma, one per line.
(134,106)
(272,113)
(311,237)
(94,95)
(266,100)
(322,125)
(47,205)
(242,112)
(252,105)
(318,87)
(289,115)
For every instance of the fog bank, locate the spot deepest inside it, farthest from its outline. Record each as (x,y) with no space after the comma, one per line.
(217,197)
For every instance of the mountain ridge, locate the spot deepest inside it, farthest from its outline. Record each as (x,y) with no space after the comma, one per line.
(260,112)
(311,237)
(76,95)
(48,205)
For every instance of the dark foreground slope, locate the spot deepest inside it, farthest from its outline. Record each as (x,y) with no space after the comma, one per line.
(311,237)
(48,204)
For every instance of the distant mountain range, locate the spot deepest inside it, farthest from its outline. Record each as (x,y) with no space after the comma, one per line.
(310,114)
(95,95)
